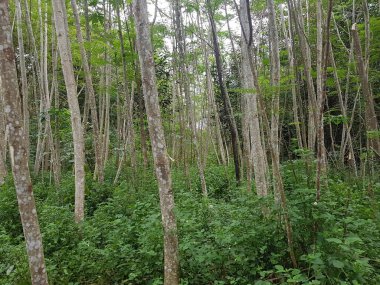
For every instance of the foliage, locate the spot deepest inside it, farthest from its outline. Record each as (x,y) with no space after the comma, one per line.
(225,239)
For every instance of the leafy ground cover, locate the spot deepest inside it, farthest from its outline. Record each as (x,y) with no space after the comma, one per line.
(225,239)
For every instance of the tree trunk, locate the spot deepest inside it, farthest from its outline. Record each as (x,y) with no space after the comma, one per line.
(61,27)
(275,82)
(296,15)
(3,167)
(183,79)
(214,109)
(289,46)
(105,131)
(38,72)
(346,130)
(129,132)
(224,93)
(252,113)
(321,163)
(18,151)
(24,82)
(143,135)
(90,91)
(156,132)
(372,126)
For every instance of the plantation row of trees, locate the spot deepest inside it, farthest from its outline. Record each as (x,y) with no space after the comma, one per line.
(247,84)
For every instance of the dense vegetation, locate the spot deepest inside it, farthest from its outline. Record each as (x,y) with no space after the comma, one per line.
(238,137)
(224,239)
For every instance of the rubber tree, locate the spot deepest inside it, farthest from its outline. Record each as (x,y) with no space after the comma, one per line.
(18,152)
(61,26)
(159,150)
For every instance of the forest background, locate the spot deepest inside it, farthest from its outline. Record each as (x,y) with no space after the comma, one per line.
(189,142)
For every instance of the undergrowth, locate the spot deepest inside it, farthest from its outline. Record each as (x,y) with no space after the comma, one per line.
(224,239)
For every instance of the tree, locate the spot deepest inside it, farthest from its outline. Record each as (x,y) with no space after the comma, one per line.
(184,85)
(90,93)
(223,90)
(371,123)
(296,14)
(3,167)
(156,132)
(251,102)
(61,26)
(18,151)
(275,80)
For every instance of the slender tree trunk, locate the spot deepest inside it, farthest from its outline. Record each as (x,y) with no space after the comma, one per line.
(3,167)
(143,135)
(289,47)
(61,27)
(108,83)
(41,143)
(56,160)
(160,156)
(38,71)
(297,16)
(47,136)
(275,82)
(18,151)
(223,91)
(321,165)
(90,92)
(214,109)
(128,99)
(346,129)
(229,28)
(367,43)
(24,82)
(183,78)
(127,135)
(257,149)
(372,125)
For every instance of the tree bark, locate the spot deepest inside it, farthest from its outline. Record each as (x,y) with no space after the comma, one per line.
(61,27)
(90,91)
(296,16)
(24,82)
(275,82)
(156,132)
(347,137)
(184,85)
(223,91)
(38,72)
(257,150)
(289,46)
(212,103)
(3,167)
(128,132)
(18,151)
(321,78)
(370,115)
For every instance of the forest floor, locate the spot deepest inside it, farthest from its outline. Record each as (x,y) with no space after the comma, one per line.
(224,239)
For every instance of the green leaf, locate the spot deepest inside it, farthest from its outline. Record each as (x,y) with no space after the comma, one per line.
(334,240)
(279,268)
(10,269)
(260,282)
(353,239)
(337,263)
